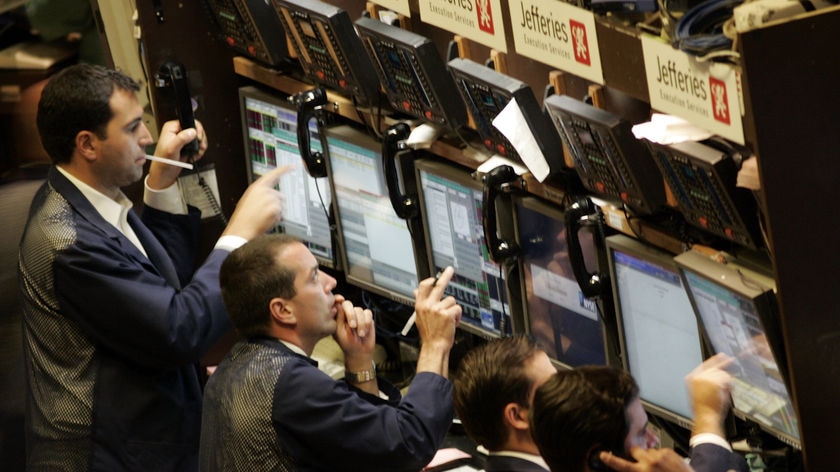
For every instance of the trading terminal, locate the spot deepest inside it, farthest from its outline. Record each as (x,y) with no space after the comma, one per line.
(568,211)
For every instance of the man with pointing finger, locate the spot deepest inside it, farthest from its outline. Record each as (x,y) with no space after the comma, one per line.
(115,315)
(268,407)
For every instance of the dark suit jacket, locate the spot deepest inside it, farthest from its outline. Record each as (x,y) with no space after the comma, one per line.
(511,464)
(111,339)
(713,458)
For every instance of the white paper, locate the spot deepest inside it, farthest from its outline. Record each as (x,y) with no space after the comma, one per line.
(511,123)
(669,129)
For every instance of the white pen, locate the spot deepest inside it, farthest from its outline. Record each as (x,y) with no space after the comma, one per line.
(172,162)
(413,317)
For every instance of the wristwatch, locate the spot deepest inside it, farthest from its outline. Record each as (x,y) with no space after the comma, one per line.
(361,376)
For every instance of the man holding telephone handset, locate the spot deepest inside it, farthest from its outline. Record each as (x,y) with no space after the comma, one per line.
(116,316)
(268,407)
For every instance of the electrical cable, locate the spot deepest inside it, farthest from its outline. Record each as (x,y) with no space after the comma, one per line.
(701,29)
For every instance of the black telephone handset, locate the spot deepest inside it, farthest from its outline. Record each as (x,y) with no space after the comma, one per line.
(500,250)
(308,104)
(393,143)
(171,78)
(592,284)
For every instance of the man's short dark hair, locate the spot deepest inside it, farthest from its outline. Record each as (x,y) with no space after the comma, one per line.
(77,99)
(251,276)
(489,377)
(577,410)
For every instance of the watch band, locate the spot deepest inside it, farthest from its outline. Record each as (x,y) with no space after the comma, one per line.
(361,376)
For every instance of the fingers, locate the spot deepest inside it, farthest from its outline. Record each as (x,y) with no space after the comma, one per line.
(647,460)
(433,287)
(271,178)
(358,319)
(617,463)
(718,361)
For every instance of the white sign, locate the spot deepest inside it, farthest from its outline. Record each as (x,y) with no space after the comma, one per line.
(399,6)
(558,34)
(478,20)
(705,93)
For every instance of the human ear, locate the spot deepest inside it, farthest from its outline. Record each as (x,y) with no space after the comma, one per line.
(282,311)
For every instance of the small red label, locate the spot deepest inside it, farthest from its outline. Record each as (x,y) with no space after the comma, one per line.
(720,100)
(580,43)
(485,16)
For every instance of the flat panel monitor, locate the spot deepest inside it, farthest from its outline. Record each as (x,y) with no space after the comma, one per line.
(451,204)
(378,249)
(658,333)
(269,128)
(738,312)
(564,322)
(328,48)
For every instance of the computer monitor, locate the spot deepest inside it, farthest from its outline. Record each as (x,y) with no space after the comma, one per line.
(564,322)
(378,249)
(269,128)
(450,204)
(658,333)
(738,312)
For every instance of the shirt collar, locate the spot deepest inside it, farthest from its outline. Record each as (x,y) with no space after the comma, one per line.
(114,212)
(294,348)
(524,456)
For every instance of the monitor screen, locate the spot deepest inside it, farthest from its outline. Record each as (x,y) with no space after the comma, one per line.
(451,204)
(378,247)
(738,314)
(558,316)
(269,126)
(660,340)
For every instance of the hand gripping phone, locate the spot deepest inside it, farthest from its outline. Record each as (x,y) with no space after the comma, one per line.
(171,80)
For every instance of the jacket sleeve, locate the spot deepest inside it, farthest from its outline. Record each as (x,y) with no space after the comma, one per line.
(713,458)
(324,424)
(125,306)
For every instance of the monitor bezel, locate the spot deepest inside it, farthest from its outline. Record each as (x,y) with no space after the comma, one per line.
(460,176)
(662,258)
(275,99)
(760,290)
(359,138)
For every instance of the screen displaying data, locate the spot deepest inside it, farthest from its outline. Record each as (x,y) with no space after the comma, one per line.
(378,248)
(452,204)
(270,132)
(735,311)
(660,339)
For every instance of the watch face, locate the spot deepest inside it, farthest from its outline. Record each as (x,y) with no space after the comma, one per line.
(361,376)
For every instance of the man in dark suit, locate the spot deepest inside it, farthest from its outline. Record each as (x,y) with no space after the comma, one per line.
(591,419)
(114,319)
(494,385)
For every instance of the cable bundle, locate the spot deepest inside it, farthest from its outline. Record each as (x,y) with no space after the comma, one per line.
(701,29)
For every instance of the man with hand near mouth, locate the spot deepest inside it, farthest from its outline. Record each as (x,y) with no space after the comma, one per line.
(268,407)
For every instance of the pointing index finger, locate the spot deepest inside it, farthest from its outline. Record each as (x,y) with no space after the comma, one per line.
(270,179)
(440,282)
